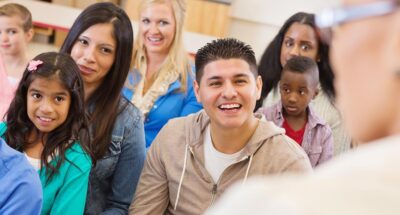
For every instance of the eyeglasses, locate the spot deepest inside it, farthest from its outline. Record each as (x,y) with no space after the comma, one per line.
(330,18)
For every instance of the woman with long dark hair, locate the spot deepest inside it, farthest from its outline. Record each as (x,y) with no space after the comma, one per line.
(100,41)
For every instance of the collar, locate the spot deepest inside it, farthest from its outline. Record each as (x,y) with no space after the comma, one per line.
(313,118)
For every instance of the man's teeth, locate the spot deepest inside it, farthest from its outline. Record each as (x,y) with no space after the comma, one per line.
(229,106)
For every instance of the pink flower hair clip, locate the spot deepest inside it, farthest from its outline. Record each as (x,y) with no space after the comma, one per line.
(33,65)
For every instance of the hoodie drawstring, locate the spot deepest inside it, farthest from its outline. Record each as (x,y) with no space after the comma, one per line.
(247,170)
(183,174)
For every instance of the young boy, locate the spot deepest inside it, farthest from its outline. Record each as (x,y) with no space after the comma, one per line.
(15,33)
(298,86)
(195,158)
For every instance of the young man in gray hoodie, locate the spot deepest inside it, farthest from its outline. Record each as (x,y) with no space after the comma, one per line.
(195,158)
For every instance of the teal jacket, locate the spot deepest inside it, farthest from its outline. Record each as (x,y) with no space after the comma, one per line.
(66,192)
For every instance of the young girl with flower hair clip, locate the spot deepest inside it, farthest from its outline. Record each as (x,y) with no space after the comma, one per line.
(47,122)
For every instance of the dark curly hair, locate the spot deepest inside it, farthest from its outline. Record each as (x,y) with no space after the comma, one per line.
(63,68)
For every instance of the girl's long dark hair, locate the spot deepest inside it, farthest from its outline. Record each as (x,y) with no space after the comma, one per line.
(104,102)
(59,67)
(270,67)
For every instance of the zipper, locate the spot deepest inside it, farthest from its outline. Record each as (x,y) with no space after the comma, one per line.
(215,185)
(213,194)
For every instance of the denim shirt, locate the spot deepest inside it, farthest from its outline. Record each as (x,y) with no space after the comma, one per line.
(113,180)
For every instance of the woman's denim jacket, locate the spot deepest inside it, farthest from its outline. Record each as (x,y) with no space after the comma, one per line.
(113,180)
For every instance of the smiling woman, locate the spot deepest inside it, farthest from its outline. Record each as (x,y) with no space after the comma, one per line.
(161,82)
(100,41)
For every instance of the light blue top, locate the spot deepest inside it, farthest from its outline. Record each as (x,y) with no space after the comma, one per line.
(173,104)
(20,188)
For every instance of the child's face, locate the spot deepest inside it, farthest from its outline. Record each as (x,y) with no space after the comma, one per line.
(297,90)
(47,103)
(228,92)
(13,38)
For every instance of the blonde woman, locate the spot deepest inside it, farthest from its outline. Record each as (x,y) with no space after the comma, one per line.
(161,82)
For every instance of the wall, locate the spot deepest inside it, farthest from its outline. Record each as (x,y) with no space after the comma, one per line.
(257,21)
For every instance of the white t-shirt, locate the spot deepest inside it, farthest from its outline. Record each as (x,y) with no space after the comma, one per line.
(216,162)
(35,163)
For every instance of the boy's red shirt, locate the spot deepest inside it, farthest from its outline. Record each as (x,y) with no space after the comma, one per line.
(295,135)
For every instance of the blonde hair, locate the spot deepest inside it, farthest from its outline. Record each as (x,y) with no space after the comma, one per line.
(12,9)
(177,58)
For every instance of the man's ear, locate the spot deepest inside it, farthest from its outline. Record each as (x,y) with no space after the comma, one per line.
(196,87)
(259,85)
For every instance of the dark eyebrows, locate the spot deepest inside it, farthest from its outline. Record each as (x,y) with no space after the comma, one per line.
(83,37)
(61,93)
(306,42)
(288,38)
(301,41)
(215,77)
(241,75)
(33,90)
(64,93)
(107,45)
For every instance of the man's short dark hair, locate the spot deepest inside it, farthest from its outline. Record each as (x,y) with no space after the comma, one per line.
(220,49)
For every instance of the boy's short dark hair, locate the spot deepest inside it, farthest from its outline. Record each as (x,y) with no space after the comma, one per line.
(21,11)
(227,48)
(302,65)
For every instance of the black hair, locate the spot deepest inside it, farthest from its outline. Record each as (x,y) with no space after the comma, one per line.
(270,65)
(227,48)
(302,65)
(104,101)
(54,66)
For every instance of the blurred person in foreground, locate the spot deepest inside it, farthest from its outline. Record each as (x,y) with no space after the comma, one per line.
(365,57)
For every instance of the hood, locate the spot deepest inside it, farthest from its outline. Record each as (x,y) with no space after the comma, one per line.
(196,124)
